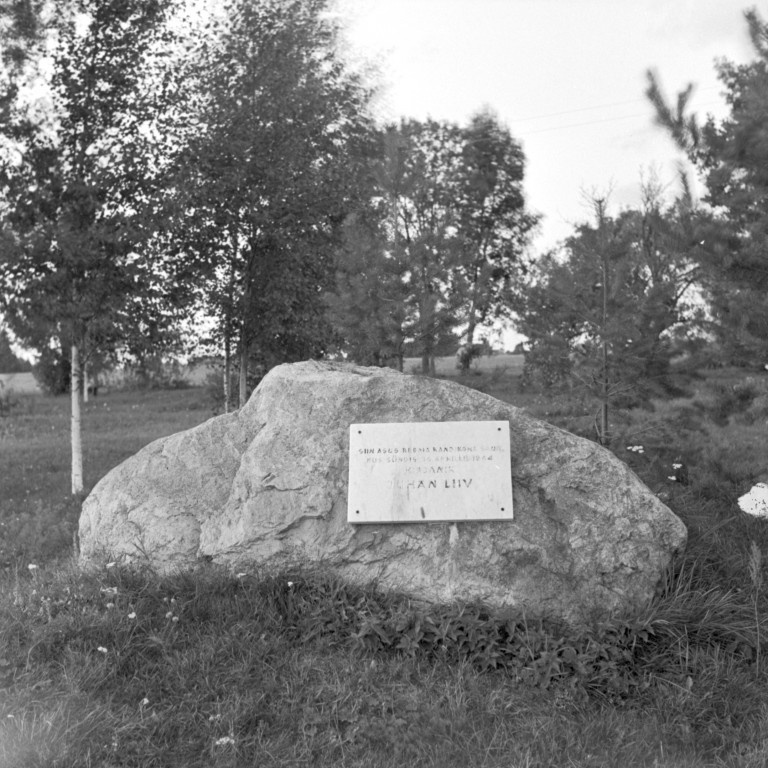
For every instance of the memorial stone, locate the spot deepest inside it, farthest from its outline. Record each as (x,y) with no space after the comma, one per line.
(269,488)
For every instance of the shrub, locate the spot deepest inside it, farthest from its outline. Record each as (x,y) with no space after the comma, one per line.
(8,400)
(53,371)
(732,399)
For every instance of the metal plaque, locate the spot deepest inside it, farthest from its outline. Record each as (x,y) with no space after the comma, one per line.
(424,472)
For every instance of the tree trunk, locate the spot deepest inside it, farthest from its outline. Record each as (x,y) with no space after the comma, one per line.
(227,374)
(85,382)
(243,375)
(605,384)
(76,425)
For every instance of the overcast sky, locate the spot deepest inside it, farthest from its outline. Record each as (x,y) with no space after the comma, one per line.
(566,76)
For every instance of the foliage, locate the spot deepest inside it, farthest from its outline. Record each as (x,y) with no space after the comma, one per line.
(605,309)
(9,362)
(439,244)
(367,306)
(270,174)
(53,370)
(730,156)
(492,219)
(80,184)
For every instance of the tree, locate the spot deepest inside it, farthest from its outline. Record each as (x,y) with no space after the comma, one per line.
(443,240)
(493,222)
(425,234)
(367,306)
(281,122)
(731,157)
(82,186)
(603,310)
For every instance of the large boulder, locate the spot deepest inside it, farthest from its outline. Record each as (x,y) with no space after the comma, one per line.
(267,486)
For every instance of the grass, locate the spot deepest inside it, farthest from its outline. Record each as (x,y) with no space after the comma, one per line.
(122,667)
(38,516)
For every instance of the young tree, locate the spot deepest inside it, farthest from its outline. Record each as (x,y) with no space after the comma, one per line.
(81,188)
(602,311)
(274,168)
(367,307)
(731,157)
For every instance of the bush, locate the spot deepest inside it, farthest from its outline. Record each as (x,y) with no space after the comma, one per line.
(732,399)
(53,371)
(155,372)
(8,400)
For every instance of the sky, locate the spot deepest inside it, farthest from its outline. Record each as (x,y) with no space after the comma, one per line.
(566,76)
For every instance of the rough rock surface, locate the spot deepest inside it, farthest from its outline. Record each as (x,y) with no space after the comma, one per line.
(267,485)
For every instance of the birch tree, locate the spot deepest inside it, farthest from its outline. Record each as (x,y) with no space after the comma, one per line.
(271,176)
(80,187)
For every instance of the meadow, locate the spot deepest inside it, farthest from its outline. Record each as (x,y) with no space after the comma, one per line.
(121,667)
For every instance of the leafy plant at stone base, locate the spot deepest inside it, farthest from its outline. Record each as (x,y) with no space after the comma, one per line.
(730,157)
(601,312)
(273,171)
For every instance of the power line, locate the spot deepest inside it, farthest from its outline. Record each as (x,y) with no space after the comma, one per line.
(597,106)
(602,120)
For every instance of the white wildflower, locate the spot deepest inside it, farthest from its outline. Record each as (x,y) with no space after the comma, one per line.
(108,590)
(132,615)
(110,565)
(101,649)
(241,575)
(672,478)
(755,501)
(290,584)
(110,605)
(677,466)
(169,615)
(32,567)
(175,619)
(144,702)
(224,741)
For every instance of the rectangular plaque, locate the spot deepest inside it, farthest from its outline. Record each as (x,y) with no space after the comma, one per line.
(422,472)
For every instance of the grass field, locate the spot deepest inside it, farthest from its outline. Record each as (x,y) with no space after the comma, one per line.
(123,668)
